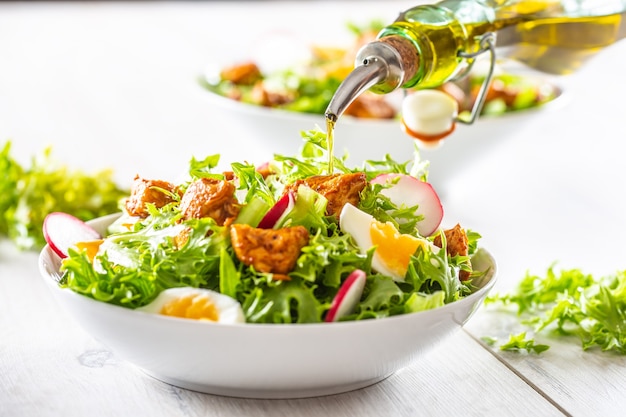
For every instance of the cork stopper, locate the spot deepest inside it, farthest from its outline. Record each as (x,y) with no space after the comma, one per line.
(381,66)
(409,57)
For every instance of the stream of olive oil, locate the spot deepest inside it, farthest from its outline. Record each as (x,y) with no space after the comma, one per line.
(330,140)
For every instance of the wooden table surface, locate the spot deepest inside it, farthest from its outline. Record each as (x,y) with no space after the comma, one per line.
(112,85)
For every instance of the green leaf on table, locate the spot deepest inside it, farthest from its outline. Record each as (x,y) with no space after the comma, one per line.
(29,194)
(570,302)
(519,342)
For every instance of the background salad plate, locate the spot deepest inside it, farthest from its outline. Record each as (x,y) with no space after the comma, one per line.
(278,130)
(266,360)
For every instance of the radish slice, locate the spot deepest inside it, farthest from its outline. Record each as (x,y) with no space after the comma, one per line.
(62,231)
(283,206)
(408,191)
(264,168)
(347,297)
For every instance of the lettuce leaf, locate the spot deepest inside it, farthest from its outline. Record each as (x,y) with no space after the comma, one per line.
(283,302)
(138,265)
(165,251)
(29,194)
(570,302)
(11,173)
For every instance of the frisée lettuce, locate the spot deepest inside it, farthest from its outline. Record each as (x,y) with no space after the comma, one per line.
(29,193)
(141,257)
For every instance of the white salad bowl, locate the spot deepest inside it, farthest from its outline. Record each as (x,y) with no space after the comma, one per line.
(266,360)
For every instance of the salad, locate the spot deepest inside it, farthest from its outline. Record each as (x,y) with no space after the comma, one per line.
(284,242)
(308,86)
(29,192)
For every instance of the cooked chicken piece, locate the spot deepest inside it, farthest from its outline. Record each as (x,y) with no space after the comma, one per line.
(208,197)
(269,250)
(145,191)
(456,240)
(182,238)
(338,189)
(233,94)
(260,95)
(228,175)
(247,73)
(369,106)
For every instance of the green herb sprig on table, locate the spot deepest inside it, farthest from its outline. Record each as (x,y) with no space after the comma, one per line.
(572,303)
(28,194)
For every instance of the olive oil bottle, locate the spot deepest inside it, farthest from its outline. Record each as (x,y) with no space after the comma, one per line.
(431,44)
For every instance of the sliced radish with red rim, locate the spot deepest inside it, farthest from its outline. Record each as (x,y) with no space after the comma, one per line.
(278,211)
(62,231)
(407,191)
(347,297)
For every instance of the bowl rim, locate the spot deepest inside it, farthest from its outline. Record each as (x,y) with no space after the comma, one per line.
(487,283)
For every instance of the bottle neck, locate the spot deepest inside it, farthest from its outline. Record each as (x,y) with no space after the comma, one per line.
(426,45)
(382,66)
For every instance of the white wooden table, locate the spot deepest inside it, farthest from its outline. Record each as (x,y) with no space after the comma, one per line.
(113,85)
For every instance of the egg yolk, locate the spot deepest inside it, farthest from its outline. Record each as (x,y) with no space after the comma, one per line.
(91,247)
(392,247)
(191,306)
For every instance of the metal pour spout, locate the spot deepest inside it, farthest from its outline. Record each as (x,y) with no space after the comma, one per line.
(377,64)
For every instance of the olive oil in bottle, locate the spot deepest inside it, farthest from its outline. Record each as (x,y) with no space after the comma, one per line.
(560,45)
(429,45)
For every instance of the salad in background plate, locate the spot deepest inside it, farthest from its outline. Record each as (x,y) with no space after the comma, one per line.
(284,242)
(307,86)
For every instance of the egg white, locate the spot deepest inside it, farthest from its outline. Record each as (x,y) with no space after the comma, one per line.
(357,223)
(228,309)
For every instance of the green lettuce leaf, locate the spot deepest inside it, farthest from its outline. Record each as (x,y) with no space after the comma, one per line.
(30,194)
(284,302)
(138,265)
(570,302)
(420,302)
(11,173)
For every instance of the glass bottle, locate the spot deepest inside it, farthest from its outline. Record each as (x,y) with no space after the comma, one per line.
(429,45)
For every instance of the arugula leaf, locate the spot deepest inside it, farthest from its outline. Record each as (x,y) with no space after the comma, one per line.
(202,168)
(313,159)
(573,303)
(253,183)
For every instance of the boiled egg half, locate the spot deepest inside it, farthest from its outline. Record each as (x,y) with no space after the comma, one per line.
(393,249)
(198,304)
